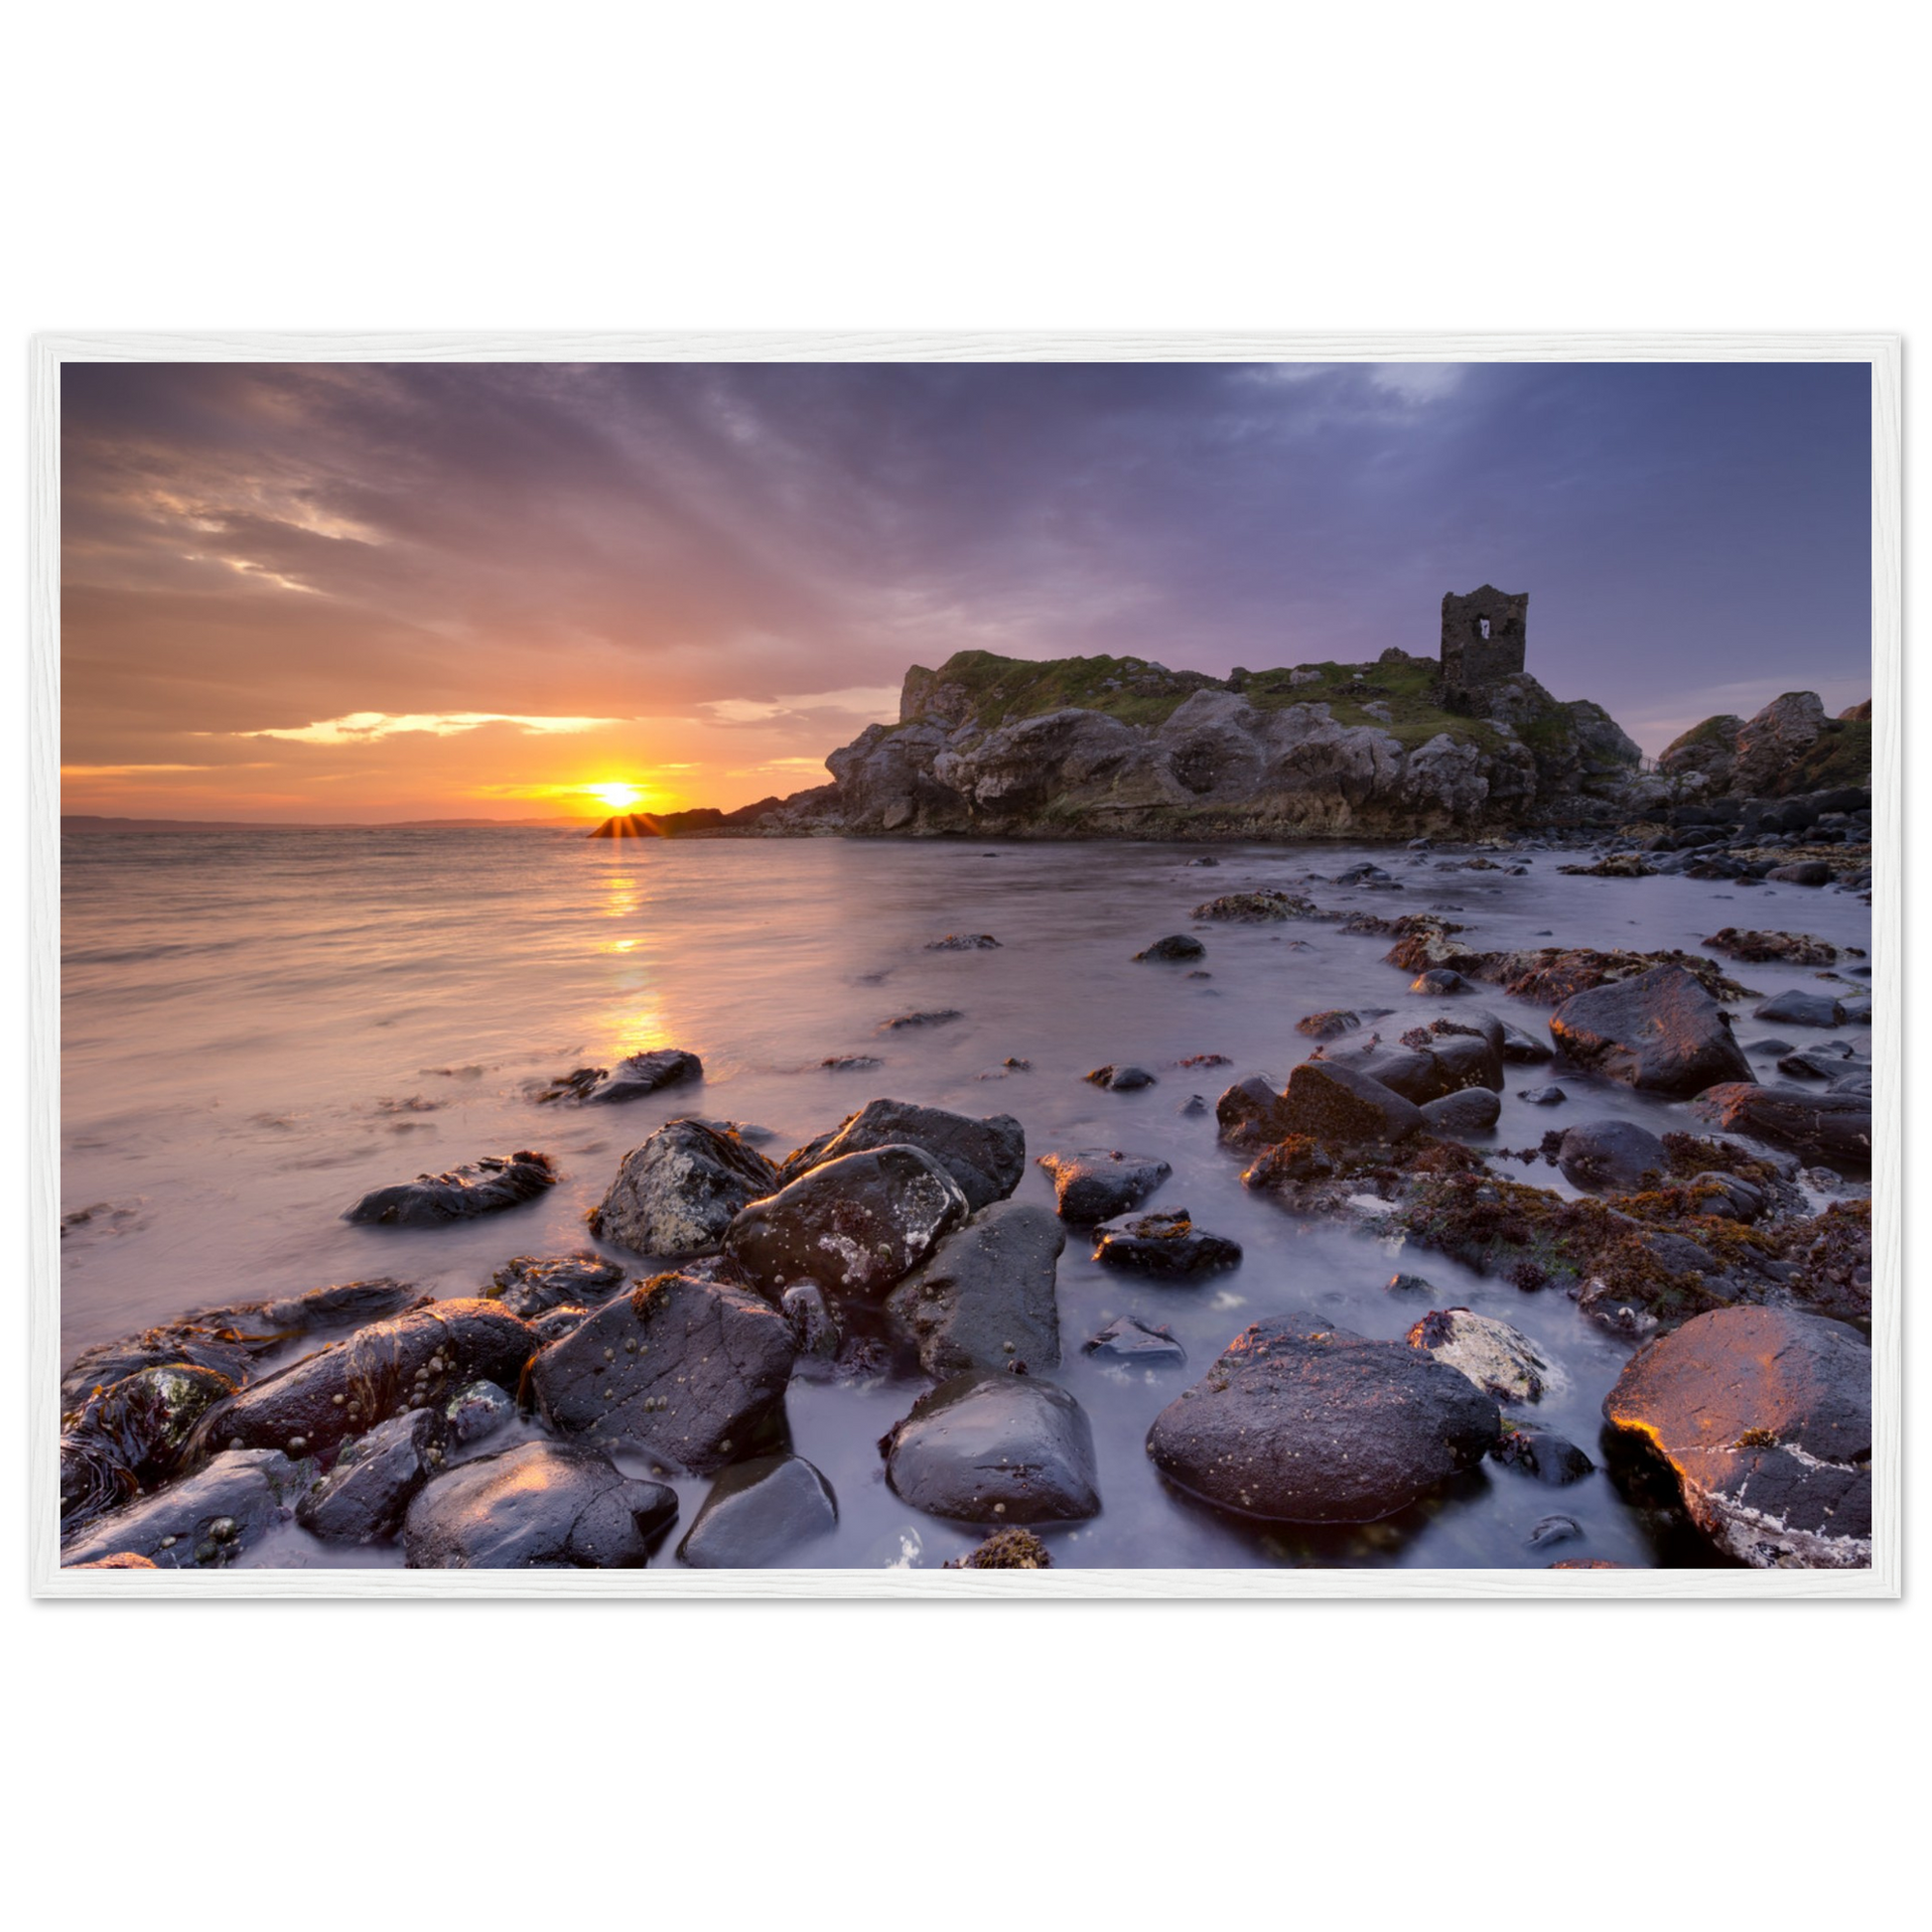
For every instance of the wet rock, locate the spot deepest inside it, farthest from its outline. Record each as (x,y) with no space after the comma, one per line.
(987,1296)
(989,1448)
(1829,1060)
(362,1499)
(557,1323)
(1473,1110)
(1329,1101)
(1660,1032)
(759,1512)
(1327,1025)
(1766,1417)
(1320,1427)
(131,1435)
(1130,1342)
(539,1506)
(486,1186)
(986,1157)
(1727,1197)
(1552,1529)
(476,1410)
(964,942)
(1120,1080)
(680,1191)
(1800,1009)
(343,1304)
(1805,872)
(531,1285)
(1194,1106)
(1612,1157)
(643,1073)
(1017,1549)
(852,1062)
(1551,1096)
(1543,1453)
(1163,1243)
(1792,948)
(1522,1050)
(1500,1360)
(315,1404)
(1409,1284)
(685,1369)
(205,1521)
(1250,1114)
(856,1225)
(815,1330)
(1255,909)
(932,1016)
(1176,945)
(1441,981)
(1830,1126)
(124,1562)
(1095,1184)
(1771,1049)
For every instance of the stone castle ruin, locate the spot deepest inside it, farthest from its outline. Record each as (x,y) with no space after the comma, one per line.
(1483,637)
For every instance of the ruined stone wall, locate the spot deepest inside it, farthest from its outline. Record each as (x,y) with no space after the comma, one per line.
(1483,642)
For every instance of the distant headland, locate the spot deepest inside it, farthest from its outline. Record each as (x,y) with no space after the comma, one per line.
(1465,742)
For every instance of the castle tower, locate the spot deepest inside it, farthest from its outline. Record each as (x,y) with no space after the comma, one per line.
(1483,642)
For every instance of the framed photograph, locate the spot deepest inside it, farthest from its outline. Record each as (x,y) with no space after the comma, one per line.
(924,966)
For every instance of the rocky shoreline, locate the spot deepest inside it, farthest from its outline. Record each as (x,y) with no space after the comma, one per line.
(1732,1253)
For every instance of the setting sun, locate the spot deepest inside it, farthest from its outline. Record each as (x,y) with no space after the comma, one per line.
(619,797)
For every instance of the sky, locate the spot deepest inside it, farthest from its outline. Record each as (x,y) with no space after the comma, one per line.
(365,591)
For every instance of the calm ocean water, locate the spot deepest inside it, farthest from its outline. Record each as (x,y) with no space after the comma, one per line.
(258,1028)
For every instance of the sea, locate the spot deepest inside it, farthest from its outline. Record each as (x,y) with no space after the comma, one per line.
(259,1027)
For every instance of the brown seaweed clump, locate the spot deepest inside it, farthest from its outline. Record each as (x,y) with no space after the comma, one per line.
(1012,1549)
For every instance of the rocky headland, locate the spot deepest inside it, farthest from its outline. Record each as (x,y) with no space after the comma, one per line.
(992,747)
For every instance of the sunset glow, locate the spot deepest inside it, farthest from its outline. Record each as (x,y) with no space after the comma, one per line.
(619,797)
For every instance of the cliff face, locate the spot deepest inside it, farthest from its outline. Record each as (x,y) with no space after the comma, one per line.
(1098,747)
(1788,748)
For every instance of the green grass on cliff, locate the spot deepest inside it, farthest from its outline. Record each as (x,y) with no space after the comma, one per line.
(1007,689)
(1840,754)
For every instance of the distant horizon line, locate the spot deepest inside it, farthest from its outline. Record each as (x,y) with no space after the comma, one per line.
(321,825)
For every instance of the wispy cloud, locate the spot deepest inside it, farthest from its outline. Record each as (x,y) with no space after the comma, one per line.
(868,701)
(366,727)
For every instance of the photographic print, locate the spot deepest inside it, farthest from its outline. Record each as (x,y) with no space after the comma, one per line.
(1202,966)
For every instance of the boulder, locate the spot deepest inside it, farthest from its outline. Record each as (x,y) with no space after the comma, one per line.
(1330,1101)
(1440,982)
(679,1191)
(759,1512)
(1473,1110)
(1769,746)
(1128,1342)
(685,1369)
(989,1448)
(532,1284)
(1250,1114)
(815,1329)
(343,1304)
(206,1521)
(414,1362)
(643,1073)
(1543,1453)
(1833,1127)
(1095,1184)
(1659,1032)
(1523,1049)
(964,942)
(1800,1009)
(476,1410)
(1802,872)
(539,1506)
(1500,1360)
(1551,1096)
(1764,1416)
(1176,945)
(1163,1243)
(132,1436)
(987,1296)
(1327,1026)
(1303,1423)
(985,1157)
(1612,1157)
(362,1499)
(856,1225)
(486,1187)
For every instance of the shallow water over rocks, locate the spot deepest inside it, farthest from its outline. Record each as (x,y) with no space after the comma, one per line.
(261,1027)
